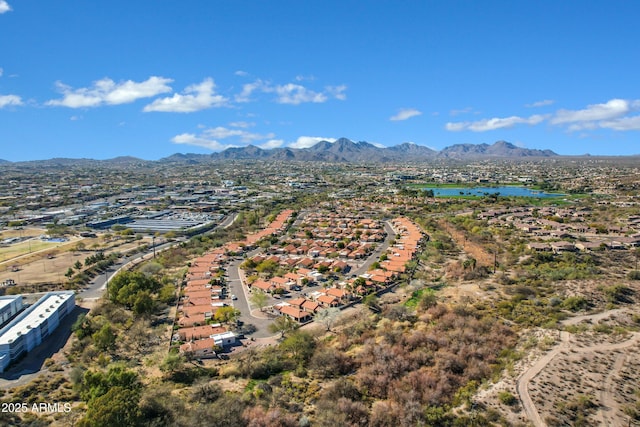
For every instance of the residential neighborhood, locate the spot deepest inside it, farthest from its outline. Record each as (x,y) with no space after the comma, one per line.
(252,280)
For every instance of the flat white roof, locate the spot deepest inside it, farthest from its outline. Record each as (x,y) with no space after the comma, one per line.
(6,300)
(35,315)
(222,336)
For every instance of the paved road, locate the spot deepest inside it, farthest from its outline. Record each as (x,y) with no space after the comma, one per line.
(249,315)
(253,315)
(380,249)
(97,286)
(99,283)
(31,366)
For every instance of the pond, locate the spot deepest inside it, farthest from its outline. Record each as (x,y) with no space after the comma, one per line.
(513,191)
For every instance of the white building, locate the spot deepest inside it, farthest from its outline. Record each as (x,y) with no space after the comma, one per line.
(33,325)
(9,307)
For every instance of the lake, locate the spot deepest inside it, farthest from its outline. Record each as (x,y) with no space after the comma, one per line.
(483,191)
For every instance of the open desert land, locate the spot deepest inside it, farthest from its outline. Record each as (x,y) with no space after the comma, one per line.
(584,373)
(37,262)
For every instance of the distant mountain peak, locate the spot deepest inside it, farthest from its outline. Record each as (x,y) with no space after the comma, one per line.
(341,150)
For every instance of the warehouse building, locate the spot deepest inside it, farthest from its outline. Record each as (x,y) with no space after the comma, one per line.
(33,325)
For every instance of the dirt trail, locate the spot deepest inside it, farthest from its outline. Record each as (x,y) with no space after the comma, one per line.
(607,402)
(565,344)
(481,256)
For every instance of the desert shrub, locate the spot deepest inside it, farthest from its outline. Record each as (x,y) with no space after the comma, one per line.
(507,398)
(576,303)
(617,293)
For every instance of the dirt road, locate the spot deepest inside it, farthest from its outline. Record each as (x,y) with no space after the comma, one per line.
(475,250)
(607,403)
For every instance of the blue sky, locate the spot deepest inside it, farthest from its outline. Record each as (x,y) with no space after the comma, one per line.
(150,78)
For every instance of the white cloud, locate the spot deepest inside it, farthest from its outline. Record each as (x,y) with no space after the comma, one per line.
(241,73)
(210,138)
(191,139)
(248,89)
(622,123)
(4,7)
(130,91)
(494,123)
(297,94)
(456,126)
(272,143)
(465,110)
(301,78)
(609,110)
(243,125)
(106,91)
(244,136)
(291,93)
(309,141)
(337,92)
(7,100)
(405,113)
(613,114)
(540,103)
(195,98)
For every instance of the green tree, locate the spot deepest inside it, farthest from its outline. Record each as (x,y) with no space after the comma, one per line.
(78,265)
(104,338)
(171,363)
(428,299)
(248,264)
(167,294)
(119,406)
(226,314)
(124,287)
(97,383)
(143,304)
(82,326)
(299,345)
(283,325)
(268,266)
(259,298)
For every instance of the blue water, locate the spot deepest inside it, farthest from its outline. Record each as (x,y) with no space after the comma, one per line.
(482,191)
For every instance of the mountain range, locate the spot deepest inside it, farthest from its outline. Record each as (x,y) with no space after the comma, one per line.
(345,150)
(342,150)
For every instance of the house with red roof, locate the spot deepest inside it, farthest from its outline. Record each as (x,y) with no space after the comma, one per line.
(295,313)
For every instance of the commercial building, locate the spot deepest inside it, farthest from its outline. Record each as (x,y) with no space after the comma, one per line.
(33,325)
(9,307)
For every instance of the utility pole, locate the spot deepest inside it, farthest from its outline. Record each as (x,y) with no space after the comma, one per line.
(153,243)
